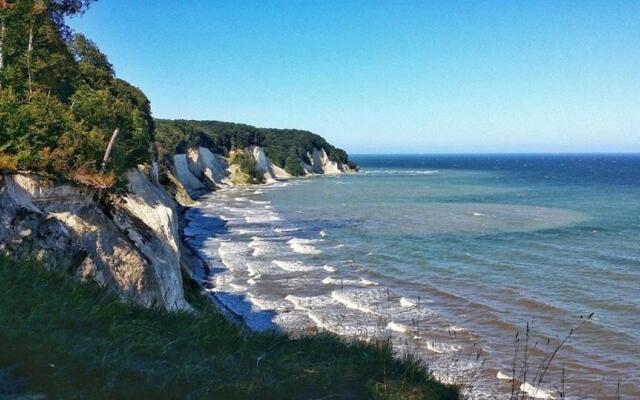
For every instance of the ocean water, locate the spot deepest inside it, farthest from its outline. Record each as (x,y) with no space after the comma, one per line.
(448,257)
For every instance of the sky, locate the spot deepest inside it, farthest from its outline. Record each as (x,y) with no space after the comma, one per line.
(389,76)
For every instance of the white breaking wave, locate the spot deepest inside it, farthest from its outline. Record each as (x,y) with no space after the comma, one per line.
(292,266)
(302,246)
(396,327)
(404,302)
(535,392)
(442,348)
(281,230)
(329,268)
(323,233)
(259,202)
(350,282)
(261,219)
(351,303)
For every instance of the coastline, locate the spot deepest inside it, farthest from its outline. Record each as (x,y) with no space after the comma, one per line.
(391,320)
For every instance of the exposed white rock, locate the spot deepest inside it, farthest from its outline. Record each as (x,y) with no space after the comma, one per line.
(184,174)
(133,250)
(278,173)
(151,204)
(262,163)
(213,166)
(328,166)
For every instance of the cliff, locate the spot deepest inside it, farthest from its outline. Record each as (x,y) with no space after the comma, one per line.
(130,240)
(128,243)
(199,170)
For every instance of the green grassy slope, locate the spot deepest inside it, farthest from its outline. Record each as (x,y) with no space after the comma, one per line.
(71,340)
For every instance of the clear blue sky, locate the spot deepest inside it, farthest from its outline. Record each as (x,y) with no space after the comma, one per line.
(389,76)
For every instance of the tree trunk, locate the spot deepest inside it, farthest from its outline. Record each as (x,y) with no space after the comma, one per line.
(29,50)
(2,29)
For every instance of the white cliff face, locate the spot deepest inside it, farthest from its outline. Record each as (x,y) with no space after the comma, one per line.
(328,166)
(132,250)
(321,164)
(213,166)
(262,163)
(277,172)
(150,204)
(183,172)
(200,169)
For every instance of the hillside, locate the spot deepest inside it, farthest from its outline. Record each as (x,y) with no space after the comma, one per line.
(284,147)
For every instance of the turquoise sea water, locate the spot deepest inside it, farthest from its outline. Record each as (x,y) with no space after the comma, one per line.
(450,256)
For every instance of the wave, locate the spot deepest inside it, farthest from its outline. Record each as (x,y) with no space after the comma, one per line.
(292,266)
(349,282)
(262,218)
(349,302)
(303,246)
(259,202)
(404,302)
(412,172)
(329,268)
(284,230)
(442,348)
(396,327)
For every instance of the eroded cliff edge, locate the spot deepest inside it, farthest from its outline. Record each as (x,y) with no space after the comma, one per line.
(130,241)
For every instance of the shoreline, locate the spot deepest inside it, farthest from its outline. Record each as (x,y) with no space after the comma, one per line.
(240,306)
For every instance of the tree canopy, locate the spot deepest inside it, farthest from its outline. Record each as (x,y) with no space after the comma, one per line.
(285,147)
(59,98)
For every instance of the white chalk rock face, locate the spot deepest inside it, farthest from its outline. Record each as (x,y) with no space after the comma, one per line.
(262,163)
(279,173)
(133,250)
(328,166)
(150,204)
(184,174)
(213,166)
(321,164)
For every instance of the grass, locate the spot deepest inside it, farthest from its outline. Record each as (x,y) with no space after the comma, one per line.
(69,340)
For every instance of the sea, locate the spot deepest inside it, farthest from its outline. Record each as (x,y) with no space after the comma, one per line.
(502,273)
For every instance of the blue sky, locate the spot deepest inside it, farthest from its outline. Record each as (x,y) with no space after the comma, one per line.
(389,76)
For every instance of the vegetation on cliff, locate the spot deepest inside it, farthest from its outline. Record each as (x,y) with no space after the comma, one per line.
(71,340)
(285,147)
(59,98)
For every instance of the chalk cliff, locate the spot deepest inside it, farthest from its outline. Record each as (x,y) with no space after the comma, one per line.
(128,243)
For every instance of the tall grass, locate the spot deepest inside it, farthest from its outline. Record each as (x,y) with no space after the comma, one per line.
(69,340)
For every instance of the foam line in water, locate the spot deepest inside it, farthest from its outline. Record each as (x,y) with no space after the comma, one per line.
(535,392)
(292,266)
(405,302)
(396,327)
(350,302)
(303,246)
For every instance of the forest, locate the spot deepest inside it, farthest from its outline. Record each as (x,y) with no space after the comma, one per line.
(284,147)
(60,100)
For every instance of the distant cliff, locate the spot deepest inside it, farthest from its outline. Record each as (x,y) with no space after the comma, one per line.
(198,156)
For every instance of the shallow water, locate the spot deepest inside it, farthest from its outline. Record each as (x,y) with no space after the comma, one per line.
(448,256)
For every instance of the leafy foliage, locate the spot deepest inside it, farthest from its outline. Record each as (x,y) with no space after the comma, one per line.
(285,147)
(59,98)
(247,165)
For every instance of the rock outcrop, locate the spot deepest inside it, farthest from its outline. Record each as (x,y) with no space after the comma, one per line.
(128,243)
(199,169)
